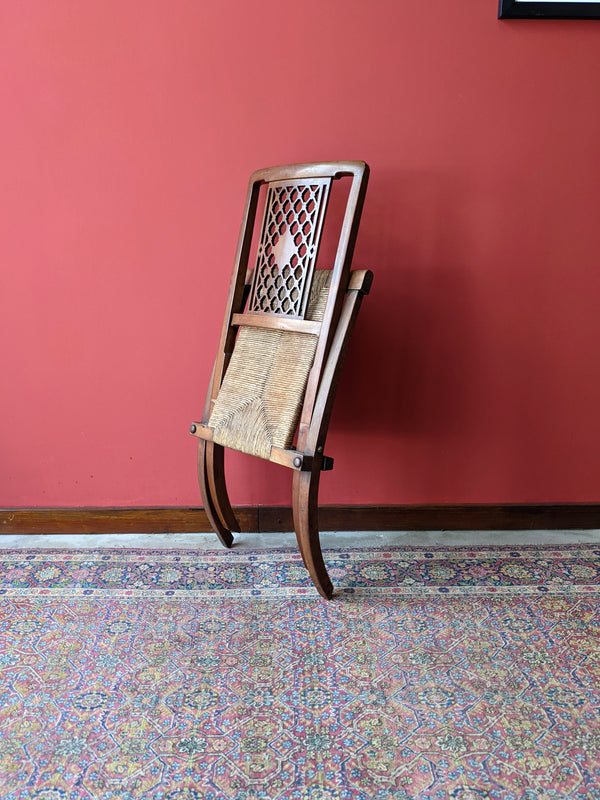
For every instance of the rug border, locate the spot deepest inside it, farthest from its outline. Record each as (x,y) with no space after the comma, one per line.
(271,589)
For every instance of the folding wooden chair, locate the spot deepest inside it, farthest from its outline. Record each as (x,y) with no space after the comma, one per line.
(286,330)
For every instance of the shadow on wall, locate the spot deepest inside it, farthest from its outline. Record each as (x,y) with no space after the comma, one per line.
(410,367)
(415,357)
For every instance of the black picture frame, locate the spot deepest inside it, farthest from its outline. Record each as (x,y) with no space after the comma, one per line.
(525,9)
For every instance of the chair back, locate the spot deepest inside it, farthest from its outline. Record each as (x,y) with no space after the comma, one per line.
(286,315)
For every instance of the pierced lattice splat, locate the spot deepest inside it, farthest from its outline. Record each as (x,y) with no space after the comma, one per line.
(288,246)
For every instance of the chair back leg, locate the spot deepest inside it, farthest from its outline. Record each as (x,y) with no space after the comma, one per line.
(306,482)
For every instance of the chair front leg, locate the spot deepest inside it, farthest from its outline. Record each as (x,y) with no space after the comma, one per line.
(305,501)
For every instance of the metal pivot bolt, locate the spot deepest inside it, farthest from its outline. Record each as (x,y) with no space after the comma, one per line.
(297,461)
(192,428)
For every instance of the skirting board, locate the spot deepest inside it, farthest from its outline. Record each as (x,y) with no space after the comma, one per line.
(270,519)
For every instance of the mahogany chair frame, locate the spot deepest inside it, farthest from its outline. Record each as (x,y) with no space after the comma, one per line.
(306,458)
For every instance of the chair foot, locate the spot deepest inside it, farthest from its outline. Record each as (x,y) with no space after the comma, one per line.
(211,477)
(305,491)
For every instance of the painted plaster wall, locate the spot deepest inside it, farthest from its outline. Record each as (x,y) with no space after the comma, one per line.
(128,134)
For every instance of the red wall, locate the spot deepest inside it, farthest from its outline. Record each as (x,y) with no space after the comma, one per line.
(128,133)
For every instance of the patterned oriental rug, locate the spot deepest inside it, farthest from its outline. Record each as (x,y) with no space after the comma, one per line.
(435,673)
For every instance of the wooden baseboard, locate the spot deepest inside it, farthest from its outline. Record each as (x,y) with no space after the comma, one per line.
(112,520)
(270,519)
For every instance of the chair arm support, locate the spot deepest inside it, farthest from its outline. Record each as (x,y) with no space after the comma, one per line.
(360,281)
(359,285)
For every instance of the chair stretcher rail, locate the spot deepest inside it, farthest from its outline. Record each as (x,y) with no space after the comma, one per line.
(279,323)
(293,459)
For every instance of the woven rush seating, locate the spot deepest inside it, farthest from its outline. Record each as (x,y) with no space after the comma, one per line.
(286,329)
(259,402)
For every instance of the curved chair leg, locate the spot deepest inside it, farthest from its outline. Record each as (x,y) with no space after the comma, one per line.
(215,470)
(305,499)
(211,477)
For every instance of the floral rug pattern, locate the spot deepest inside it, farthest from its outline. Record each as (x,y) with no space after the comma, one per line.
(433,674)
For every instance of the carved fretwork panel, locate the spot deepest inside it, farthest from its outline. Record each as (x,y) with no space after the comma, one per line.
(288,246)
